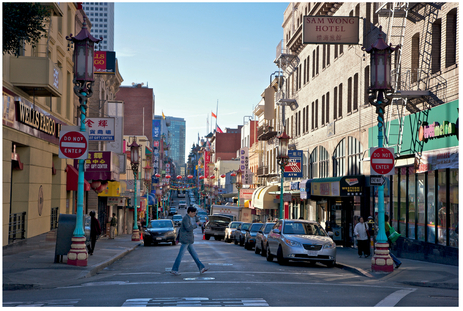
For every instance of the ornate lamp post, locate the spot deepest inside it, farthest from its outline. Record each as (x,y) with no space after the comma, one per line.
(282,158)
(148,169)
(239,183)
(135,161)
(158,192)
(380,67)
(84,44)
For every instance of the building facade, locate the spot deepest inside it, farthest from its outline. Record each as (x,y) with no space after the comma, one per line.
(101,14)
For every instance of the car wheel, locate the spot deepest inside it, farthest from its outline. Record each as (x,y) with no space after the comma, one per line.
(241,242)
(281,260)
(174,243)
(262,250)
(207,237)
(235,241)
(256,250)
(330,264)
(246,245)
(269,255)
(146,242)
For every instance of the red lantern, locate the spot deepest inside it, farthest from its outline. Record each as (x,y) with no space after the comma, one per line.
(157,175)
(189,176)
(223,175)
(212,177)
(95,184)
(233,174)
(179,177)
(201,177)
(168,176)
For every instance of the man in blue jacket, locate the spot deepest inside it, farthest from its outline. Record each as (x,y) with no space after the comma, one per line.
(186,238)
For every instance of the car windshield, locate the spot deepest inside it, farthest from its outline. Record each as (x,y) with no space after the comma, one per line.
(256,227)
(177,217)
(245,226)
(160,224)
(235,225)
(303,228)
(268,227)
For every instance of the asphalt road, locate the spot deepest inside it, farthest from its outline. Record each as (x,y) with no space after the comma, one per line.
(237,277)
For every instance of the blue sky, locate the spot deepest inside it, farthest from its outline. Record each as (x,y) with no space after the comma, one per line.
(194,54)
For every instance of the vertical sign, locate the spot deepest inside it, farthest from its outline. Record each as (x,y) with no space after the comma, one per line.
(207,159)
(294,166)
(244,166)
(156,145)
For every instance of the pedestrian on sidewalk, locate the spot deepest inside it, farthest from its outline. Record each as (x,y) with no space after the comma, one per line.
(113,225)
(95,231)
(186,238)
(388,227)
(363,241)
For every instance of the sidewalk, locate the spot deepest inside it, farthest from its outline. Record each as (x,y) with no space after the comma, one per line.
(30,264)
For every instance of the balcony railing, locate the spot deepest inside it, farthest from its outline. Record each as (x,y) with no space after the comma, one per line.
(262,170)
(17,227)
(265,132)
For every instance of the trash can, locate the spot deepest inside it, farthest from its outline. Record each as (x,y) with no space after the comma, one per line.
(66,227)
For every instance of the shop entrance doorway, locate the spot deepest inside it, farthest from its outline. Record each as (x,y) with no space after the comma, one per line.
(341,218)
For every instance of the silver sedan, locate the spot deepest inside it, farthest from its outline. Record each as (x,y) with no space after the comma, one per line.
(300,240)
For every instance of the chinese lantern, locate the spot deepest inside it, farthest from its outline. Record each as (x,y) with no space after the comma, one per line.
(201,177)
(168,176)
(190,176)
(179,177)
(157,175)
(223,175)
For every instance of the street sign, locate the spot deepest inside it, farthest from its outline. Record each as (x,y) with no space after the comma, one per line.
(294,166)
(382,161)
(73,144)
(377,180)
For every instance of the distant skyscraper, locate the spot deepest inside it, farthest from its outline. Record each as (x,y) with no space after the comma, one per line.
(101,15)
(176,138)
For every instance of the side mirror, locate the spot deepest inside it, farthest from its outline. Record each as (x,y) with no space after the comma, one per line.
(277,231)
(260,231)
(330,234)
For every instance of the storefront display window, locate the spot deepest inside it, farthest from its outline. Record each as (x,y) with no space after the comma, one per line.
(395,192)
(314,163)
(421,206)
(430,221)
(324,160)
(403,204)
(453,188)
(411,206)
(442,207)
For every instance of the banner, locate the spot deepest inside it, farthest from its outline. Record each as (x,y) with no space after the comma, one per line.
(207,160)
(294,166)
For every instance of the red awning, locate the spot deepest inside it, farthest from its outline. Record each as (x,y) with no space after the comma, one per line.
(72,179)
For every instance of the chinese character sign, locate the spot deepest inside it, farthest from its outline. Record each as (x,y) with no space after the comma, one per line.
(207,159)
(330,30)
(156,129)
(294,166)
(100,129)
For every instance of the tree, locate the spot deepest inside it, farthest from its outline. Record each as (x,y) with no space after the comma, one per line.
(23,23)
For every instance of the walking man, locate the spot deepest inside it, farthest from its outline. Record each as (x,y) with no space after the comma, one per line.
(361,232)
(186,238)
(113,225)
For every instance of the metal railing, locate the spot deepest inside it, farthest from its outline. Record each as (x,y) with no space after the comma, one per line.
(17,227)
(54,218)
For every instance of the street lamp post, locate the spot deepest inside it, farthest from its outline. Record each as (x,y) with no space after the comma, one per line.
(134,160)
(239,183)
(83,80)
(380,67)
(148,169)
(282,157)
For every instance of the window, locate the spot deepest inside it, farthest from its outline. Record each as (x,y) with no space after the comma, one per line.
(339,158)
(324,56)
(367,18)
(354,155)
(335,102)
(453,189)
(411,206)
(313,114)
(349,95)
(327,108)
(451,39)
(335,51)
(415,56)
(323,110)
(316,113)
(323,162)
(356,91)
(420,201)
(436,46)
(299,123)
(307,118)
(366,85)
(403,199)
(442,207)
(313,63)
(308,72)
(314,163)
(318,58)
(340,101)
(328,47)
(305,70)
(303,120)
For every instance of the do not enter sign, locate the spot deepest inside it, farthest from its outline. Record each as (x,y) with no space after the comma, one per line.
(382,161)
(73,144)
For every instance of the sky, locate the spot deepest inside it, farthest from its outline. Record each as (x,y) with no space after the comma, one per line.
(195,55)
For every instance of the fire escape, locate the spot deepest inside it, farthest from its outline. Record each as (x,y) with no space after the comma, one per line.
(414,89)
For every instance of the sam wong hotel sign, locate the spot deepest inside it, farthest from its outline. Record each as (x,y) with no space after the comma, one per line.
(330,30)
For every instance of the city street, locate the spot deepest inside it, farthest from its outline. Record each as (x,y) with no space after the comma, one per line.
(236,277)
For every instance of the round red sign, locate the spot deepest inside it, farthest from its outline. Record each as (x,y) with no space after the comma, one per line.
(382,161)
(73,145)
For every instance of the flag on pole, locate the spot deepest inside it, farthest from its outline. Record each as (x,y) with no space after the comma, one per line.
(219,130)
(213,115)
(163,116)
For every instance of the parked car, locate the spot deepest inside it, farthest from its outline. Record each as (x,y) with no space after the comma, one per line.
(216,227)
(172,211)
(181,204)
(250,235)
(300,240)
(240,232)
(230,230)
(177,219)
(261,238)
(159,230)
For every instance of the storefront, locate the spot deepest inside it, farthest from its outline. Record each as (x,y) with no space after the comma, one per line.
(337,203)
(424,187)
(265,203)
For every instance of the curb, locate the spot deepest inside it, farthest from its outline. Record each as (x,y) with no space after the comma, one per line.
(108,262)
(355,270)
(433,284)
(7,287)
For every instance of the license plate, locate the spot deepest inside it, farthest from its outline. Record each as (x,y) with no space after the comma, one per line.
(216,234)
(312,253)
(158,238)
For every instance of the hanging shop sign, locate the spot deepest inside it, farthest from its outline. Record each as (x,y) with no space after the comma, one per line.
(437,160)
(102,165)
(330,30)
(36,118)
(100,129)
(104,62)
(294,166)
(436,130)
(351,186)
(244,166)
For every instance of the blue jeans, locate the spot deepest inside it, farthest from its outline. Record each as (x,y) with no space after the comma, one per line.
(193,254)
(394,258)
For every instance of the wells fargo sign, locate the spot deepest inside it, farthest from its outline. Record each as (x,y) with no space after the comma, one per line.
(104,61)
(36,119)
(330,30)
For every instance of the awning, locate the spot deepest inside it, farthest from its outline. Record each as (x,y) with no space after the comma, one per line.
(246,203)
(262,199)
(338,186)
(72,179)
(113,189)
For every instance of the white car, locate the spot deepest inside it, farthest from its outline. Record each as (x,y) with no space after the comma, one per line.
(229,231)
